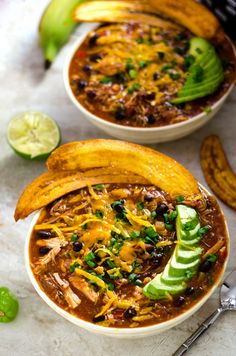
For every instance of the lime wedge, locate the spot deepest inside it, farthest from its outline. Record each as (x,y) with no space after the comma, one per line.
(33,135)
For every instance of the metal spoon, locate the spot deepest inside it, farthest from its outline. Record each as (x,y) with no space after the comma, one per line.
(227,301)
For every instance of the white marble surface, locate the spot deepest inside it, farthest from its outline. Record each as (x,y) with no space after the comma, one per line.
(24,86)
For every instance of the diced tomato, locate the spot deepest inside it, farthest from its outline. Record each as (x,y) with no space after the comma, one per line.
(81,54)
(222,254)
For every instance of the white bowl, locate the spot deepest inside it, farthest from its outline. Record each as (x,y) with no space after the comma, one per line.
(111,331)
(136,134)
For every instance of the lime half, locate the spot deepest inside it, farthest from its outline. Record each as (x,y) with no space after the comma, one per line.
(33,135)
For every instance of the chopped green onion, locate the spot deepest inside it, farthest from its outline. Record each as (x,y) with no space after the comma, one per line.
(134,234)
(129,64)
(74,237)
(212,258)
(153,214)
(132,277)
(99,214)
(174,76)
(143,64)
(99,186)
(151,232)
(198,50)
(91,264)
(140,40)
(179,198)
(73,267)
(161,55)
(189,60)
(132,73)
(133,88)
(203,230)
(110,286)
(138,282)
(106,80)
(111,264)
(166,67)
(188,274)
(169,227)
(140,206)
(117,202)
(90,256)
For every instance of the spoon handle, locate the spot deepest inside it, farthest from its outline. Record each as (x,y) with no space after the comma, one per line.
(202,328)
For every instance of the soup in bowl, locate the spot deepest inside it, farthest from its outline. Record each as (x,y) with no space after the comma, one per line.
(122,249)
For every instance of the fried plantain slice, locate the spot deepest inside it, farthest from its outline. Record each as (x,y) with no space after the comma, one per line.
(217,170)
(188,13)
(159,169)
(54,184)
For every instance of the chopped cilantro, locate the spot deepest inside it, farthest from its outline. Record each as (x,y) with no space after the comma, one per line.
(140,206)
(212,258)
(179,198)
(74,237)
(99,214)
(73,267)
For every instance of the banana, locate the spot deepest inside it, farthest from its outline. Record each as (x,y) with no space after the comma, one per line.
(55,27)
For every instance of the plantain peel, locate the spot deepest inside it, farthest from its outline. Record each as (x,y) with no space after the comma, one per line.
(54,184)
(188,13)
(158,169)
(217,170)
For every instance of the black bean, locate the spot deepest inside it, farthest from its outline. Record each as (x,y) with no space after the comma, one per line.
(120,113)
(119,208)
(130,313)
(151,119)
(95,57)
(87,68)
(91,94)
(77,246)
(148,197)
(179,301)
(93,39)
(44,234)
(161,209)
(43,250)
(205,266)
(189,291)
(81,84)
(156,76)
(156,259)
(97,319)
(150,96)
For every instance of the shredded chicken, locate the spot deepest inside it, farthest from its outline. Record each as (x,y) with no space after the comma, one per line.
(72,299)
(84,287)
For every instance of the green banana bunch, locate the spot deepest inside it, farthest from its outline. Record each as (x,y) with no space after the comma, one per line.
(55,27)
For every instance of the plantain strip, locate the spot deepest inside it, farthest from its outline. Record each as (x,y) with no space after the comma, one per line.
(217,170)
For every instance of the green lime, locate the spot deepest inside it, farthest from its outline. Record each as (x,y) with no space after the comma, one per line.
(33,135)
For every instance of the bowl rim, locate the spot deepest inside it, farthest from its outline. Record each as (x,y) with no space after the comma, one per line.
(123,332)
(113,125)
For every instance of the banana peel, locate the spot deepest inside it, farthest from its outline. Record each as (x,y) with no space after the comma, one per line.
(187,13)
(78,164)
(217,171)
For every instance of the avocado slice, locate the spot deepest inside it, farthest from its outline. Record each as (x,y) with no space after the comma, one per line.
(205,74)
(185,260)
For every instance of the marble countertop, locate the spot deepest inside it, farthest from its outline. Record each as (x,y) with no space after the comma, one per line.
(38,331)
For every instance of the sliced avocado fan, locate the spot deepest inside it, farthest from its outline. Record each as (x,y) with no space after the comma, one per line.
(205,74)
(184,262)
